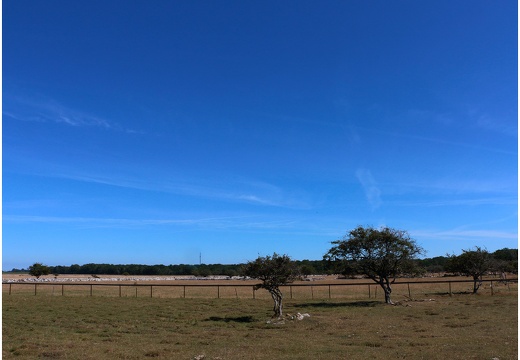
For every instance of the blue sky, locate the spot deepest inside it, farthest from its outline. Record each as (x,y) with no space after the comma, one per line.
(150,132)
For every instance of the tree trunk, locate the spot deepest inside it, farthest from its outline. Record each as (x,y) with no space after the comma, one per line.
(385,284)
(277,296)
(476,283)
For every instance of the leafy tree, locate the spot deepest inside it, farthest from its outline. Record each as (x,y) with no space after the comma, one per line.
(274,271)
(433,265)
(307,270)
(474,263)
(506,254)
(506,260)
(202,270)
(379,254)
(38,269)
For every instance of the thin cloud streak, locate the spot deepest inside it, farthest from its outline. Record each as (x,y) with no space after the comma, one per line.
(435,140)
(458,234)
(230,222)
(490,188)
(273,196)
(132,222)
(51,111)
(372,191)
(456,202)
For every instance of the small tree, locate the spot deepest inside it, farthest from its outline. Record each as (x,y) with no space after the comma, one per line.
(474,263)
(38,269)
(274,271)
(379,254)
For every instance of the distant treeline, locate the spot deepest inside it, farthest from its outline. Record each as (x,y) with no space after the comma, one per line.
(506,260)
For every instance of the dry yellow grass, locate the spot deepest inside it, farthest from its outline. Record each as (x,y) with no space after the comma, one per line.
(323,288)
(348,326)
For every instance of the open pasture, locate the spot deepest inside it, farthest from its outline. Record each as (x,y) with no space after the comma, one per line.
(323,288)
(106,326)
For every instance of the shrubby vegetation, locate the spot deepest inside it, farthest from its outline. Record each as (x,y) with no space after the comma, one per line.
(504,260)
(38,270)
(273,271)
(380,254)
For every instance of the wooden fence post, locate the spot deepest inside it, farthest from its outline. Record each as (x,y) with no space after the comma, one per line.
(372,294)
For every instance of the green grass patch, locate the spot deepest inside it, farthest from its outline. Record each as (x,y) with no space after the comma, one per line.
(84,327)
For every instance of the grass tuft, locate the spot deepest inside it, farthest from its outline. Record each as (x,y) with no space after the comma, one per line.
(79,327)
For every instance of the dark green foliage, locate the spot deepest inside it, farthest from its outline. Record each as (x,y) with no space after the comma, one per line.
(38,269)
(506,254)
(274,271)
(381,254)
(474,263)
(506,260)
(433,265)
(138,269)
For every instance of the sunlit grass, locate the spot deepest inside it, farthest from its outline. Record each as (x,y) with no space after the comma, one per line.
(108,327)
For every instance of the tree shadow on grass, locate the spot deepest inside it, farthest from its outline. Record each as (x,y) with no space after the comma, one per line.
(325,304)
(238,319)
(444,293)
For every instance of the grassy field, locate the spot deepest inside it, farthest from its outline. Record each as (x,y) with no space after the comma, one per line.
(462,326)
(327,288)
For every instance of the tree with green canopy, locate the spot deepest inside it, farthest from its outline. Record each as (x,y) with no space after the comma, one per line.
(381,254)
(474,263)
(38,269)
(274,271)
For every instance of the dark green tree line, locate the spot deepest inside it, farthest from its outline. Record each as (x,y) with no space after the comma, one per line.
(503,260)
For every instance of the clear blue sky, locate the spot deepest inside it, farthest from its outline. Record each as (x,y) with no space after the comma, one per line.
(150,132)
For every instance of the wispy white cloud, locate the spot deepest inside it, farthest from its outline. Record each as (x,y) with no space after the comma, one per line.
(456,189)
(456,202)
(48,110)
(215,223)
(436,140)
(496,124)
(372,191)
(252,192)
(447,241)
(96,221)
(465,234)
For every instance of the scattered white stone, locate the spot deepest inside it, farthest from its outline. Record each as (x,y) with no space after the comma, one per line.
(86,278)
(301,316)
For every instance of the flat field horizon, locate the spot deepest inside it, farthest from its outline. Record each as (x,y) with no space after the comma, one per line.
(436,326)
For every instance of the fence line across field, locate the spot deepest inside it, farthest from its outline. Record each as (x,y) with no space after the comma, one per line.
(318,291)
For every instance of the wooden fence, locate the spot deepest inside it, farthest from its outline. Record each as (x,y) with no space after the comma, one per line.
(293,291)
